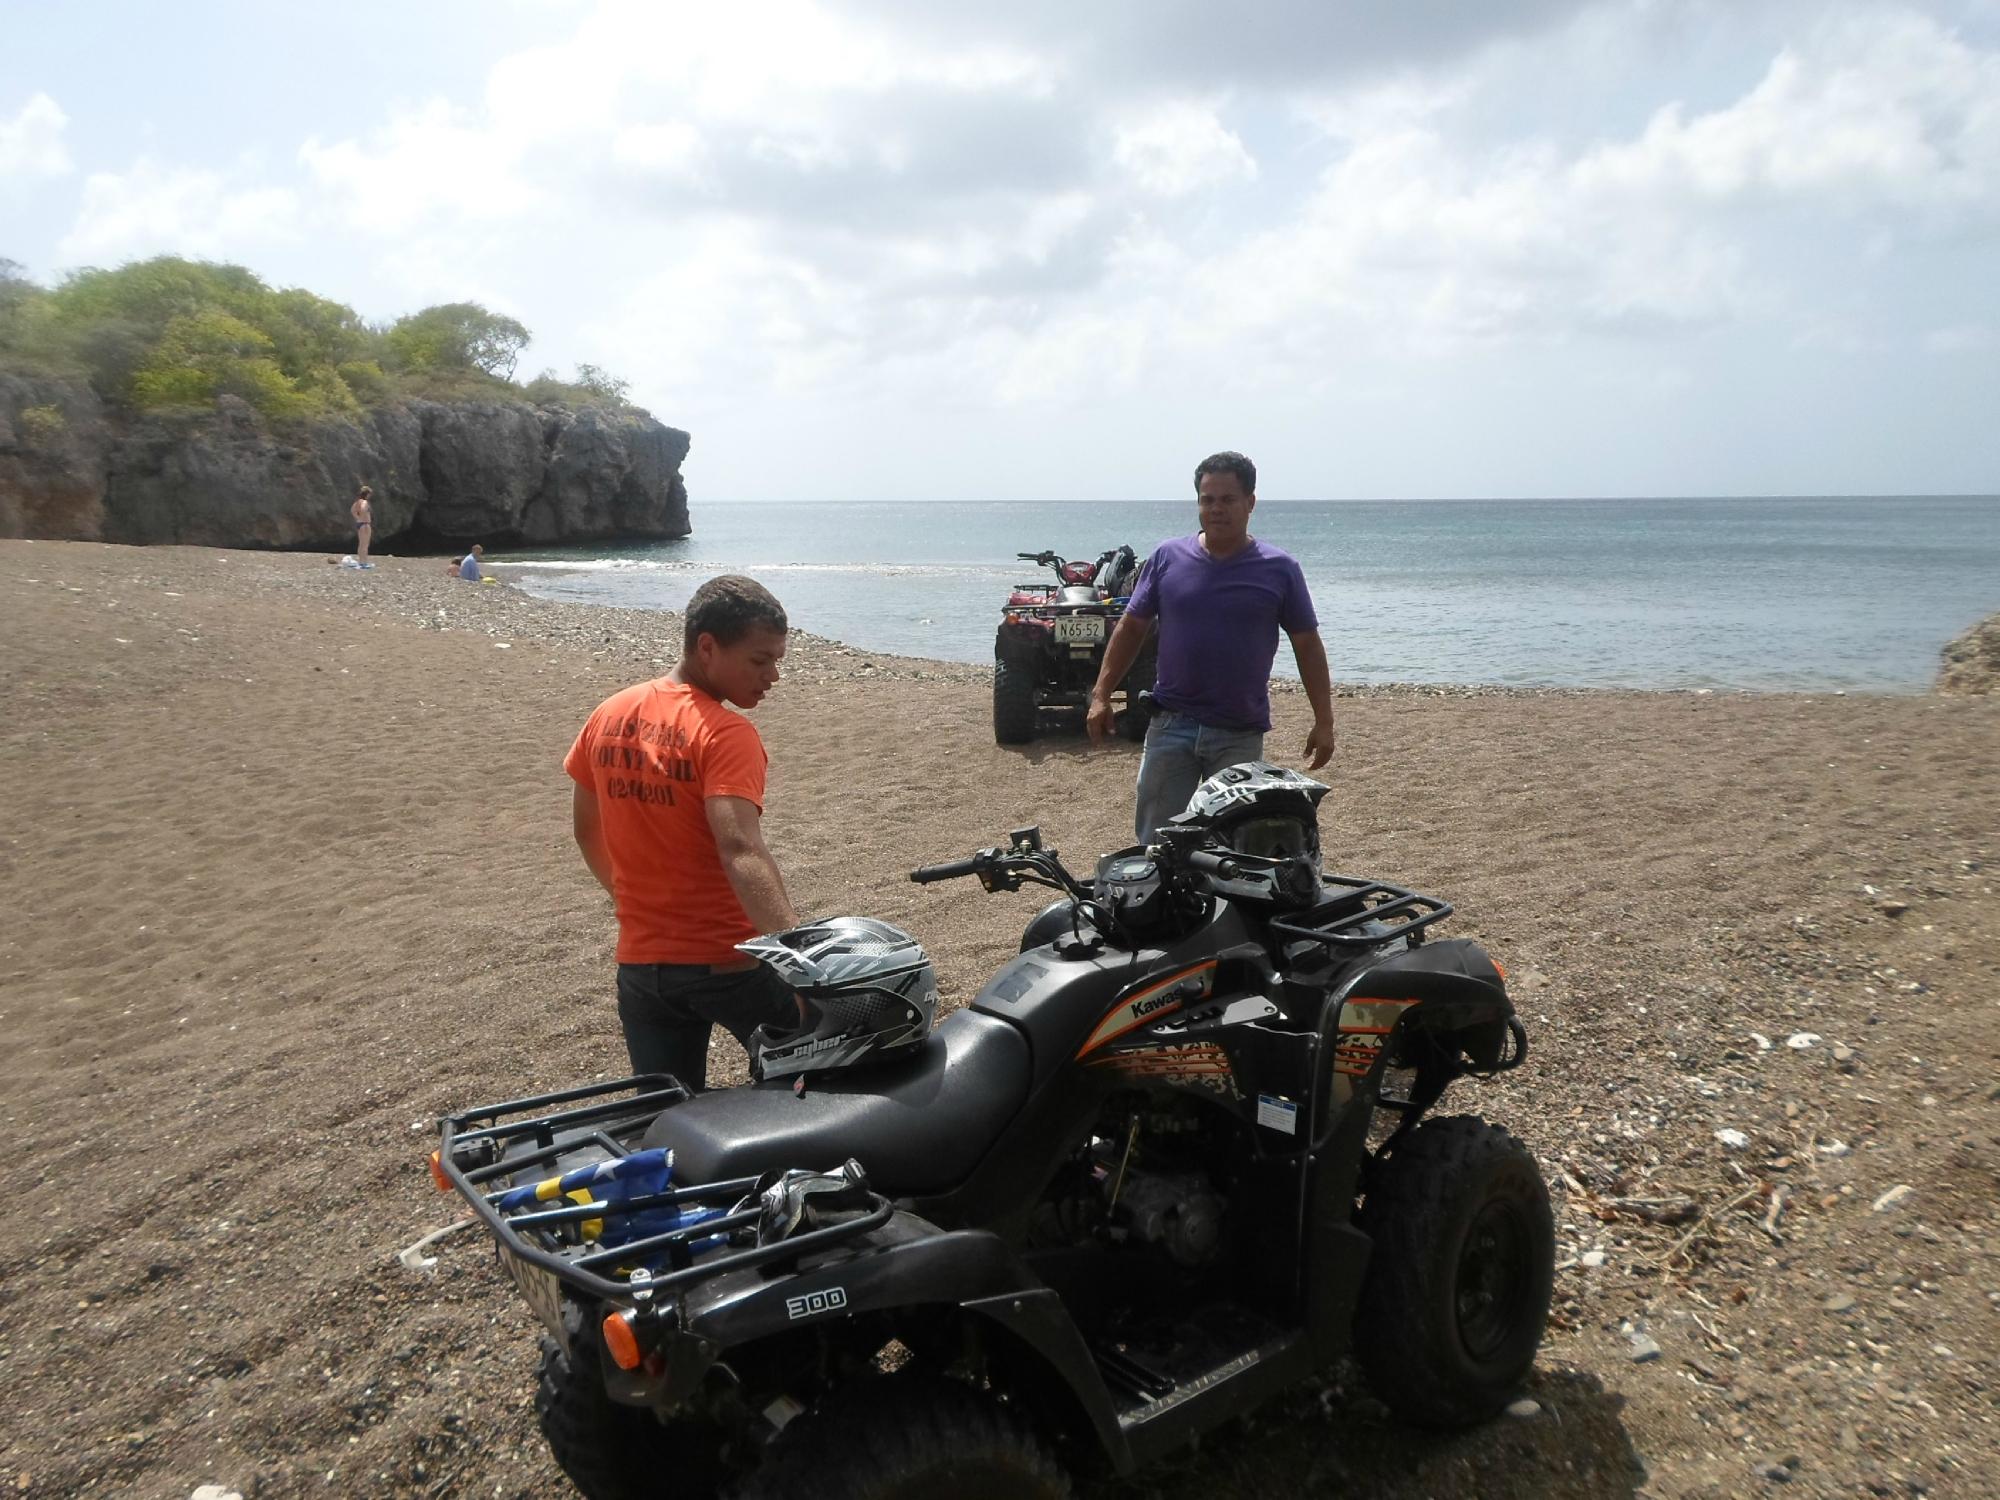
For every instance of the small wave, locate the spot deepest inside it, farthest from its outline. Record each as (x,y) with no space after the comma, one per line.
(595,564)
(713,566)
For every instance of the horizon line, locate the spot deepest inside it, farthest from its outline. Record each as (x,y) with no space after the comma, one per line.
(1362,499)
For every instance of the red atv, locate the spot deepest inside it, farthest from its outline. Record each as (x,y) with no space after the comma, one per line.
(1051,643)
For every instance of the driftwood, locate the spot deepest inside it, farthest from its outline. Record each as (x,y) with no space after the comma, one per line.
(1676,1208)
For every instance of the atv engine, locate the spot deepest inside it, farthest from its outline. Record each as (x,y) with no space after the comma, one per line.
(1145,1178)
(1180,1213)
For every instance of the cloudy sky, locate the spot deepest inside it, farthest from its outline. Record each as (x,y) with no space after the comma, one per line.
(907,248)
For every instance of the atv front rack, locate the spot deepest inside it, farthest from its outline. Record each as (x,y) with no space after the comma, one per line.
(475,1150)
(1360,913)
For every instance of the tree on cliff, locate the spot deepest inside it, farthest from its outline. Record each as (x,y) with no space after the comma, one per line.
(15,290)
(171,332)
(458,336)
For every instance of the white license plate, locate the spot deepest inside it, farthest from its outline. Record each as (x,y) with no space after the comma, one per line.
(543,1291)
(1080,628)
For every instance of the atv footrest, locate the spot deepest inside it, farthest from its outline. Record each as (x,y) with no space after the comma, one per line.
(1146,1366)
(1131,1375)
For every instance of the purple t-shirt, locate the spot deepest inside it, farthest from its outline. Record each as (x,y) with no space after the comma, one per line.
(1219,623)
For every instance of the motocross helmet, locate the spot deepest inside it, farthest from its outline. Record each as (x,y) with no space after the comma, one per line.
(1268,813)
(868,989)
(1118,572)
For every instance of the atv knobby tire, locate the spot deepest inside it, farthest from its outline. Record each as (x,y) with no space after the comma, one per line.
(1458,1284)
(906,1437)
(1014,711)
(614,1452)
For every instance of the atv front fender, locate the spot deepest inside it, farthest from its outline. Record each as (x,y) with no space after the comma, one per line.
(1449,990)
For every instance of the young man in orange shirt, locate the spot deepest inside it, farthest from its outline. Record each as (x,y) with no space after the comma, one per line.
(667,808)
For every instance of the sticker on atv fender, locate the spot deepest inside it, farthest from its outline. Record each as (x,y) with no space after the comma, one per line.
(1274,1113)
(1201,1065)
(833,1299)
(1149,1004)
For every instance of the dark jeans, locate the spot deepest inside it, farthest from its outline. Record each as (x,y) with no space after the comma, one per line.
(667,1010)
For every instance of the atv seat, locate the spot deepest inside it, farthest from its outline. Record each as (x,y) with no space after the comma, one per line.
(917,1126)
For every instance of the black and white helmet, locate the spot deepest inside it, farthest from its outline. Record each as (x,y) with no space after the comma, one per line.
(869,992)
(1269,813)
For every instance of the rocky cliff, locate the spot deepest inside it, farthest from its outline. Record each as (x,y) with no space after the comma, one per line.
(443,473)
(1970,665)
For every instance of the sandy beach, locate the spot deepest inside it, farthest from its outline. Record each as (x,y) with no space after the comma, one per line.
(286,871)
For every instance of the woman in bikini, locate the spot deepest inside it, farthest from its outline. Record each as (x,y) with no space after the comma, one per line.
(364,526)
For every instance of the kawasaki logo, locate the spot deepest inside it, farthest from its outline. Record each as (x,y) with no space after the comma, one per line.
(1148,1006)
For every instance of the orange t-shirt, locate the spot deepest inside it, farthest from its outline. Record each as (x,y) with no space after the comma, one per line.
(654,754)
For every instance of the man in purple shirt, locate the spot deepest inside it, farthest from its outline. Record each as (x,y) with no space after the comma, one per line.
(1220,598)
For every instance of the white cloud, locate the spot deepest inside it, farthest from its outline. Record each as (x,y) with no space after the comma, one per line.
(437,162)
(31,144)
(1961,338)
(1176,148)
(1429,235)
(153,209)
(670,149)
(1878,111)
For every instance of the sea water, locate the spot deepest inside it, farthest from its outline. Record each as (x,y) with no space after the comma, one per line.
(1809,594)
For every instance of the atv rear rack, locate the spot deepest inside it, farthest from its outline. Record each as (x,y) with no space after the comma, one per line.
(1360,913)
(474,1151)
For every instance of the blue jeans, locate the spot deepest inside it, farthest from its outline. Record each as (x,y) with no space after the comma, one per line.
(1180,755)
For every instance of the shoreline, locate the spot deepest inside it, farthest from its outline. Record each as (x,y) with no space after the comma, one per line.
(402,587)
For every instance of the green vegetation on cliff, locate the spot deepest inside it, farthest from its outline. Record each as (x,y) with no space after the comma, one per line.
(169,332)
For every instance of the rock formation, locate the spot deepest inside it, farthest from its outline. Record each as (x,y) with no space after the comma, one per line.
(1971,664)
(443,473)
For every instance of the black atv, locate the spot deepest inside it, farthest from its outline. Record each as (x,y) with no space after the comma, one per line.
(1173,1159)
(1051,642)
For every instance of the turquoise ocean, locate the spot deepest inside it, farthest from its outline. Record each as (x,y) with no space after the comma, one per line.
(1799,594)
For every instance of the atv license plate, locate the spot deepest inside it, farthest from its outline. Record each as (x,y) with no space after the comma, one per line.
(543,1291)
(1080,628)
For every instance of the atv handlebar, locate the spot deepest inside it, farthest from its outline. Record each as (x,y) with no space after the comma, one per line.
(1009,867)
(951,869)
(1219,865)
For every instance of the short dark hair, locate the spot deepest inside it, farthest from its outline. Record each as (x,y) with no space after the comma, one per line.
(1228,462)
(727,608)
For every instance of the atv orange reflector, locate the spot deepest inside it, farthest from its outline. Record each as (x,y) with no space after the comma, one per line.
(1499,968)
(437,1173)
(621,1340)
